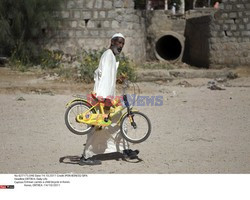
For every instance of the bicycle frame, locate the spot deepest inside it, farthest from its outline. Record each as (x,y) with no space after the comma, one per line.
(91,112)
(97,119)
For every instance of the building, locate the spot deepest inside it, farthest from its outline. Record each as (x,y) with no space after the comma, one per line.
(204,37)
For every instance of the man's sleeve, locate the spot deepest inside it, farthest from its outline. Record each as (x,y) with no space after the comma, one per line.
(106,65)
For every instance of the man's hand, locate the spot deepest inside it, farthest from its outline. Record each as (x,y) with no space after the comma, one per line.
(121,78)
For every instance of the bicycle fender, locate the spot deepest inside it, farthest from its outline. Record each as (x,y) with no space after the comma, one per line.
(75,100)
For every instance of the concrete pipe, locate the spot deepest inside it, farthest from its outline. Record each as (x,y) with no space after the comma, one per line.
(170,47)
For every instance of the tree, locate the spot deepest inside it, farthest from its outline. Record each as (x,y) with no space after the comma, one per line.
(24,24)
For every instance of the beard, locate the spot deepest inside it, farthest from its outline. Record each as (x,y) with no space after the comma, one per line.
(116,50)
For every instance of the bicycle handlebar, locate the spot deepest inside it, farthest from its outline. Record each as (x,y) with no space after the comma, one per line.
(126,84)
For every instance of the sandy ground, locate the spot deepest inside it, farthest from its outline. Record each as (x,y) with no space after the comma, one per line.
(196,130)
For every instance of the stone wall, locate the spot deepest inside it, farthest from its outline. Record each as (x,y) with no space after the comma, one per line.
(221,39)
(162,22)
(213,38)
(230,34)
(89,24)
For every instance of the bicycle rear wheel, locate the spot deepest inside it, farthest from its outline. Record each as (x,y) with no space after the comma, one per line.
(138,132)
(71,113)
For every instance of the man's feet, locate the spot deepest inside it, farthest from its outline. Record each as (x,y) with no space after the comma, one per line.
(130,154)
(89,161)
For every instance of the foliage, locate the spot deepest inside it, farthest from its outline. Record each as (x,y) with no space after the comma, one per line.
(17,65)
(51,59)
(24,24)
(89,61)
(126,67)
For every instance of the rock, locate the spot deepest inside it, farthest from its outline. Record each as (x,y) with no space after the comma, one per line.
(211,83)
(42,91)
(212,86)
(173,94)
(21,99)
(164,90)
(184,84)
(232,75)
(53,77)
(215,87)
(221,80)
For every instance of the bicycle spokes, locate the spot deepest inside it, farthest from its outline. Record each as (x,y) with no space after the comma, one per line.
(136,127)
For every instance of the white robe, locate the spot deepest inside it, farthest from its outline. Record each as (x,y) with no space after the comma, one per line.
(105,75)
(109,139)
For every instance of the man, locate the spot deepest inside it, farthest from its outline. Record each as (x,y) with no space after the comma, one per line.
(107,140)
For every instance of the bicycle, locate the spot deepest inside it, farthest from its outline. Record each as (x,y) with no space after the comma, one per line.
(82,116)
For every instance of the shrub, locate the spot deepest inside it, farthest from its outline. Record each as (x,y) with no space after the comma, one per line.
(126,67)
(50,59)
(89,61)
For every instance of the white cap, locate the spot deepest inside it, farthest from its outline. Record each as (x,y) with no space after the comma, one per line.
(118,35)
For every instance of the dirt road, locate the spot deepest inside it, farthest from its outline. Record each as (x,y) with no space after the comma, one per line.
(196,130)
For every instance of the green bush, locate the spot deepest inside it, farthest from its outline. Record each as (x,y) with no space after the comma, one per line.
(126,67)
(50,59)
(89,61)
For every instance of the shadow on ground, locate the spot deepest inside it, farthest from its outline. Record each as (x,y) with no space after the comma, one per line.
(103,157)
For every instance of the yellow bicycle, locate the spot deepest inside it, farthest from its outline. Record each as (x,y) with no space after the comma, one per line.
(82,116)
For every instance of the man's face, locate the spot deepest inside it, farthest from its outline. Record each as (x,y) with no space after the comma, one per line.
(117,45)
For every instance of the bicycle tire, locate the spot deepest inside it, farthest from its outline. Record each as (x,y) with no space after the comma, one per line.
(68,124)
(126,135)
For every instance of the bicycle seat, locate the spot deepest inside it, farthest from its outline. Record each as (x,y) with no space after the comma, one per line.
(93,95)
(108,102)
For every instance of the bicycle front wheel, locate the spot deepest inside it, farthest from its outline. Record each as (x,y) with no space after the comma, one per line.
(137,132)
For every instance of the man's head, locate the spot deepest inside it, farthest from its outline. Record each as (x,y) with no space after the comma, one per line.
(117,43)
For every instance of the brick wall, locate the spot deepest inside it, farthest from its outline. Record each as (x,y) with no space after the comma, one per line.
(221,39)
(230,34)
(218,39)
(89,24)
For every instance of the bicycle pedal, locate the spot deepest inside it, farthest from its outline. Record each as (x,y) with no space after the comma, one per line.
(104,124)
(106,119)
